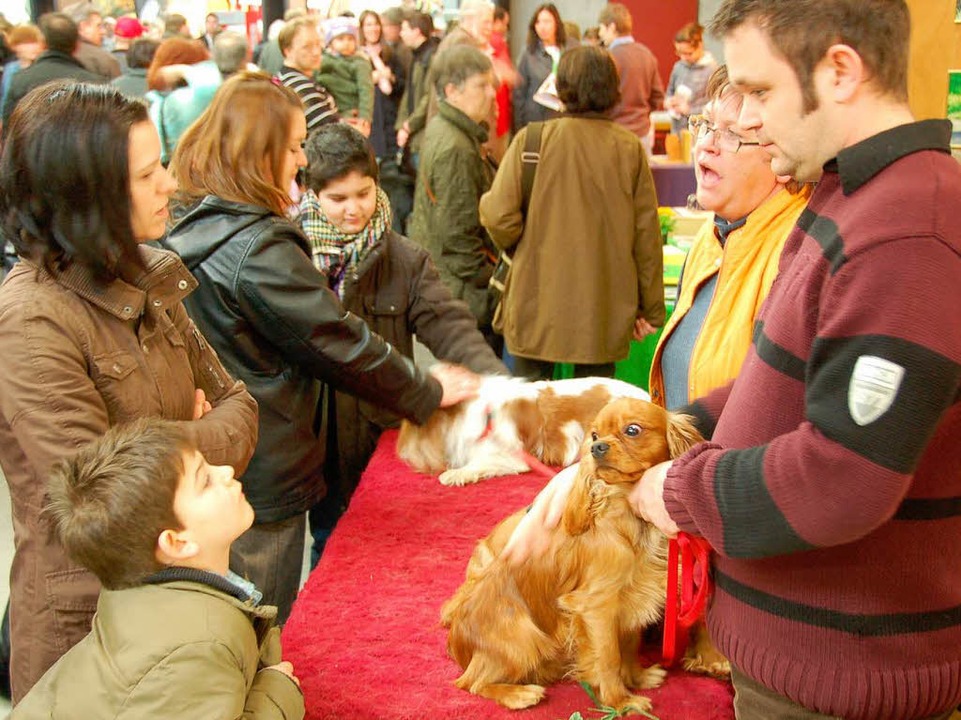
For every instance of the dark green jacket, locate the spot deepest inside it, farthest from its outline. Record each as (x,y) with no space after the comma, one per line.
(413,105)
(454,173)
(350,80)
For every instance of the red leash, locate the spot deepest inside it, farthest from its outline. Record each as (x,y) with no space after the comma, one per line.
(535,465)
(680,613)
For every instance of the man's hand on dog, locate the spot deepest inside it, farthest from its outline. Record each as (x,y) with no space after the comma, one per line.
(647,499)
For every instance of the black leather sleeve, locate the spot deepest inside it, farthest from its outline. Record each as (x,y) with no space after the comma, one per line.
(288,302)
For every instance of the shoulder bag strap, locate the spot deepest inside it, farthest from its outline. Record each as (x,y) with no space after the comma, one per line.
(529,159)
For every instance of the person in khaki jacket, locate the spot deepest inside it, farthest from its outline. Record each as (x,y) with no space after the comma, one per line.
(94,333)
(588,265)
(176,635)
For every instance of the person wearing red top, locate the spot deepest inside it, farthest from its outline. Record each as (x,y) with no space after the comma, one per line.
(505,72)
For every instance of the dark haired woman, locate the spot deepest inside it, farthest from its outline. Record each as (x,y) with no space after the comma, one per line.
(94,333)
(272,318)
(389,83)
(587,269)
(546,40)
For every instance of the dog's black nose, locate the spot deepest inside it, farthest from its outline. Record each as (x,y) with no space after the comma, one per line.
(599,449)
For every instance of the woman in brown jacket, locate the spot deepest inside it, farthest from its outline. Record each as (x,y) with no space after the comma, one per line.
(94,333)
(587,270)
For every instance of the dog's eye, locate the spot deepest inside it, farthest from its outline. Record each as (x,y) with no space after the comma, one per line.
(593,435)
(632,430)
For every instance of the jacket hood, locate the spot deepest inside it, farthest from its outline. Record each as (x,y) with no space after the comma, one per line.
(208,225)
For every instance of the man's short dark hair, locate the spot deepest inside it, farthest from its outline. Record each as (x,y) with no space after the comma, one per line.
(618,14)
(587,80)
(141,52)
(457,64)
(60,32)
(111,501)
(421,21)
(801,31)
(336,150)
(70,140)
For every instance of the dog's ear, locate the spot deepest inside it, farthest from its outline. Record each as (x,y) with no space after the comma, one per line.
(681,434)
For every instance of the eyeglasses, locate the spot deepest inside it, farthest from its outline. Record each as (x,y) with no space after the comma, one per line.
(701,127)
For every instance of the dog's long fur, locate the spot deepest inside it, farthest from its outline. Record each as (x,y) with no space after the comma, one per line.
(483,437)
(577,610)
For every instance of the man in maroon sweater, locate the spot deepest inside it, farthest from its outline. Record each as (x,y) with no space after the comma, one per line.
(831,486)
(641,88)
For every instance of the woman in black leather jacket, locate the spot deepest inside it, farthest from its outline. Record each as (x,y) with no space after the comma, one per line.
(272,319)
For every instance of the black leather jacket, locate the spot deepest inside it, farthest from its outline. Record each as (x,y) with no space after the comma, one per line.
(270,316)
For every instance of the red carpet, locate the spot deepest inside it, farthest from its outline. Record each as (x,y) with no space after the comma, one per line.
(364,635)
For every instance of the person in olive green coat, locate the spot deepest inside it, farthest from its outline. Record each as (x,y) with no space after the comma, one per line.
(347,74)
(176,634)
(587,272)
(454,172)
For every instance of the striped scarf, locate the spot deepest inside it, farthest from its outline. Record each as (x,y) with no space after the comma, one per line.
(334,253)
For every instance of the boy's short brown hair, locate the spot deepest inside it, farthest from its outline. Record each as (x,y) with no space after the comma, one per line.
(112,499)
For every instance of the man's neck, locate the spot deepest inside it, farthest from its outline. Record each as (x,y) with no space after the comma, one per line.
(872,115)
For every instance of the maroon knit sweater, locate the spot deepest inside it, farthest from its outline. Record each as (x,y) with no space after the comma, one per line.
(832,485)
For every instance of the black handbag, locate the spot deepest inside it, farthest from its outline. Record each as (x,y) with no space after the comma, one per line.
(529,159)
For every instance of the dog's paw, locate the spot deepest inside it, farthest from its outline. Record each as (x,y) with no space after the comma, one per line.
(634,705)
(513,697)
(649,678)
(717,668)
(458,477)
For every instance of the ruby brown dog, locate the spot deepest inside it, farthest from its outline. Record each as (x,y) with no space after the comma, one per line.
(486,437)
(575,611)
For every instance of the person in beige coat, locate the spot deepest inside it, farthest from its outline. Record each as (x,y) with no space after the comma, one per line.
(94,333)
(587,271)
(176,635)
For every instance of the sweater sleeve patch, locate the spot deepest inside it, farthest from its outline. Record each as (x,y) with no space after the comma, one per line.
(754,526)
(880,396)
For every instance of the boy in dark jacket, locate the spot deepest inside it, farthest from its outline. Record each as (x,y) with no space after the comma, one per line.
(144,511)
(383,278)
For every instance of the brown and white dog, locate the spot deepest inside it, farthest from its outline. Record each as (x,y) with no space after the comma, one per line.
(485,437)
(576,610)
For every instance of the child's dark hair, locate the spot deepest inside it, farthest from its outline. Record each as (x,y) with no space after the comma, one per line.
(112,499)
(336,150)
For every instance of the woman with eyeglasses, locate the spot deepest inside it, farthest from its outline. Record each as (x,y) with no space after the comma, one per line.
(274,321)
(733,261)
(588,263)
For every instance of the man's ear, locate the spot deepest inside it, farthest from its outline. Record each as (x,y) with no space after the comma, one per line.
(847,71)
(172,547)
